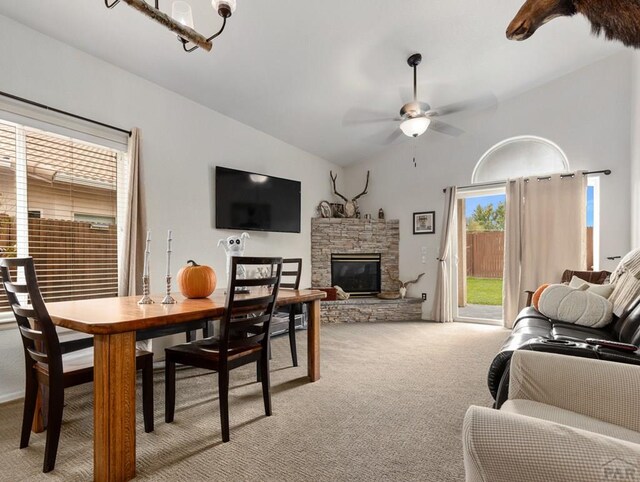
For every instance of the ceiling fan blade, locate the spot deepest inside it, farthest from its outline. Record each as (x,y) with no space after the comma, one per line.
(478,103)
(391,138)
(445,128)
(383,138)
(359,116)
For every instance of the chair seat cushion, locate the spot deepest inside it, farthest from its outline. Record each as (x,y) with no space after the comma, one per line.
(210,348)
(550,413)
(578,333)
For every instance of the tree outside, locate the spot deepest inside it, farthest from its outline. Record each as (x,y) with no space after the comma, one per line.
(487,218)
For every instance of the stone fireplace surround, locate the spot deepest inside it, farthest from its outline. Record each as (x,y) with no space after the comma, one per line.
(354,236)
(360,236)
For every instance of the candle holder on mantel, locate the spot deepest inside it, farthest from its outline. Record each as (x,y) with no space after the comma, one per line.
(146,299)
(168,299)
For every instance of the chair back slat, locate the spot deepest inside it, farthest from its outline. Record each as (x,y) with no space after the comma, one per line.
(245,342)
(16,287)
(243,283)
(243,324)
(291,275)
(247,305)
(32,334)
(38,356)
(254,310)
(38,333)
(26,312)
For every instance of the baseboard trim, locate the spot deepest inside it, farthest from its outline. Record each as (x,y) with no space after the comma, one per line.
(10,397)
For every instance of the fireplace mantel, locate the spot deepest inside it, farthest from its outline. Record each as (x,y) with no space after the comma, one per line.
(358,236)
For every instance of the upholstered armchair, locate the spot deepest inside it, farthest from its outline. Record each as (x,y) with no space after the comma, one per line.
(566,418)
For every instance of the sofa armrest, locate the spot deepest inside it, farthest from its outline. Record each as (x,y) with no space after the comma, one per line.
(529,296)
(503,447)
(600,389)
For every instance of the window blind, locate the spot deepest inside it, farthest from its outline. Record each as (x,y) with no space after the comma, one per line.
(77,189)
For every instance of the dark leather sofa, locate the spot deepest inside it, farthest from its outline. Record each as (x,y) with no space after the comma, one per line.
(534,331)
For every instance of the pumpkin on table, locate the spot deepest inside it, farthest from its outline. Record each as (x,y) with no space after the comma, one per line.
(196,281)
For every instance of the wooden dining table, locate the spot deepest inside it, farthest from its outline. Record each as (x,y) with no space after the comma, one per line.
(113,322)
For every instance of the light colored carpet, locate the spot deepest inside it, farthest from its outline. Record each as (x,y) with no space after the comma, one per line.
(389,406)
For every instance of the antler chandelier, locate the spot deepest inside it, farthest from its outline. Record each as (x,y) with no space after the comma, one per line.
(181,19)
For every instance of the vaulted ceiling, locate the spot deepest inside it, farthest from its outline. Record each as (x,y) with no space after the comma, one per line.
(296,69)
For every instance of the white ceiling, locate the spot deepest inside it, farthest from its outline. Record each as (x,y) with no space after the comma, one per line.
(295,68)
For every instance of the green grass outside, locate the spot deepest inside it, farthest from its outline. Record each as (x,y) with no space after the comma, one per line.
(484,291)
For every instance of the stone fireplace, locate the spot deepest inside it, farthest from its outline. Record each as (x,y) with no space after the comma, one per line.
(342,236)
(358,255)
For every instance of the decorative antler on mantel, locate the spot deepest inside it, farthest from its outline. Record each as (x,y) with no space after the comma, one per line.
(403,284)
(350,207)
(335,191)
(366,186)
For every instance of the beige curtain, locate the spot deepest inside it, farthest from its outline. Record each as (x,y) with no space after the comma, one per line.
(133,240)
(131,260)
(443,300)
(545,233)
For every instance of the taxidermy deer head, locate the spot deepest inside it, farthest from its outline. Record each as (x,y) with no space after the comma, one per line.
(619,19)
(350,207)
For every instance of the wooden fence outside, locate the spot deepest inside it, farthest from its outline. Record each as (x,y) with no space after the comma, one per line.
(74,260)
(485,253)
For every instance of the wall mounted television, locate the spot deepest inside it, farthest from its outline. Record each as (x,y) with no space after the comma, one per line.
(256,202)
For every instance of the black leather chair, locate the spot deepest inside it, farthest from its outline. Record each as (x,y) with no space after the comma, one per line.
(534,331)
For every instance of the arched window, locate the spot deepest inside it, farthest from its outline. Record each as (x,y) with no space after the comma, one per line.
(520,156)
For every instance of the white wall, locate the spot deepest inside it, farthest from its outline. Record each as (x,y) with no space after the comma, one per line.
(587,113)
(181,143)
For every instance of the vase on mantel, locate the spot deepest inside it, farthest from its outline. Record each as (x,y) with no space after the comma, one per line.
(403,292)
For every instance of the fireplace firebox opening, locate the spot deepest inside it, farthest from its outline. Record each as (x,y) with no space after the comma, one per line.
(357,274)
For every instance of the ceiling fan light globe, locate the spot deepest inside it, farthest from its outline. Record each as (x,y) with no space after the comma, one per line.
(415,126)
(225,8)
(181,12)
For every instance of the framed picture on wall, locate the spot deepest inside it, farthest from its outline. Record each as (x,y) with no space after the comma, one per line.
(424,223)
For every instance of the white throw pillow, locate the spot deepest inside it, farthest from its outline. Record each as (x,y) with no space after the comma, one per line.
(578,306)
(602,290)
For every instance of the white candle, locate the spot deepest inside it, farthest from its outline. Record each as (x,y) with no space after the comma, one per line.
(169,253)
(147,251)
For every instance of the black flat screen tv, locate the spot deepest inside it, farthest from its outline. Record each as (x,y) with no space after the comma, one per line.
(255,202)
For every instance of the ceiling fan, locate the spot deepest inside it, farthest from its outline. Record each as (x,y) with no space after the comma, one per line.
(416,116)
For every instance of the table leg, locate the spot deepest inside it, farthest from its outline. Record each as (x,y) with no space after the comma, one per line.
(40,415)
(313,341)
(114,412)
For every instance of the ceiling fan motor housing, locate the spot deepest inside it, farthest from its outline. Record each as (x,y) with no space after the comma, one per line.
(414,109)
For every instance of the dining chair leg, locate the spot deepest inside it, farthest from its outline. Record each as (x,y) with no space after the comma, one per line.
(292,337)
(56,406)
(258,372)
(169,390)
(266,385)
(30,397)
(147,394)
(207,330)
(223,391)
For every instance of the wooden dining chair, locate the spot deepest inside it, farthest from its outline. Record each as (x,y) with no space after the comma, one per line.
(48,365)
(291,273)
(226,352)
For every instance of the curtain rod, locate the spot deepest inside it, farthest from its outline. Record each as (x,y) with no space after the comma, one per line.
(606,172)
(58,111)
